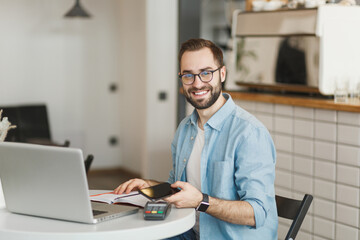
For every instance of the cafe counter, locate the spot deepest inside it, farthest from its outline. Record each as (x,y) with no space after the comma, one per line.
(318,152)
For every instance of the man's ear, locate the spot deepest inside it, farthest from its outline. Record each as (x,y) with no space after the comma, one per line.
(223,73)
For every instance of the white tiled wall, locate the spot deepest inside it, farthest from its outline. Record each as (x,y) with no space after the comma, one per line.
(318,152)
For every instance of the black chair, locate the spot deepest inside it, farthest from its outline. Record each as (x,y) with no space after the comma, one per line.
(32,125)
(295,210)
(89,159)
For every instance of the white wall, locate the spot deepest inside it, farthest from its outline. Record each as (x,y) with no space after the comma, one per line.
(133,87)
(161,75)
(70,63)
(67,64)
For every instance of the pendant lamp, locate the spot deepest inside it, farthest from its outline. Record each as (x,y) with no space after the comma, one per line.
(77,11)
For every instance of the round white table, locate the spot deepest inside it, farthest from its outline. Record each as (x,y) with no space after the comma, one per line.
(19,227)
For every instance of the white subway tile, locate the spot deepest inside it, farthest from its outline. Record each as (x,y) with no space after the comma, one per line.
(303,235)
(347,215)
(325,115)
(282,230)
(318,238)
(345,232)
(304,146)
(284,125)
(304,128)
(307,223)
(285,222)
(303,184)
(348,175)
(283,192)
(325,131)
(247,105)
(284,161)
(284,143)
(325,170)
(264,107)
(349,135)
(303,165)
(349,118)
(348,155)
(324,228)
(283,179)
(325,150)
(266,119)
(324,208)
(324,189)
(302,112)
(348,195)
(285,110)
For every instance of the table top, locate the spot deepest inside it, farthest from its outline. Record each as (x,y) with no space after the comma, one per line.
(17,226)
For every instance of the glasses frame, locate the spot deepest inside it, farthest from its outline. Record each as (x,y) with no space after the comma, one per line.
(194,76)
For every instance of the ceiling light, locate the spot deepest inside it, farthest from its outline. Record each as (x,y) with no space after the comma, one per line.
(77,11)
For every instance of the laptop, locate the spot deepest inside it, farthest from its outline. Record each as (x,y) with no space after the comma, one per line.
(47,181)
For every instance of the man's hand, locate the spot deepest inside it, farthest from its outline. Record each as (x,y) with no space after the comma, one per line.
(188,197)
(132,184)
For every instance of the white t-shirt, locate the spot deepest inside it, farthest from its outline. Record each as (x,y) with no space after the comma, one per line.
(193,174)
(193,165)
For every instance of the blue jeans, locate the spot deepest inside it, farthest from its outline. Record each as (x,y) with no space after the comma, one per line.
(189,235)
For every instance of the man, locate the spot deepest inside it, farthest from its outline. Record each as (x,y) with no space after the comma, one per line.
(223,158)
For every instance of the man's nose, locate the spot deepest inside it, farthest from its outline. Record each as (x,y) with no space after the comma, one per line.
(197,81)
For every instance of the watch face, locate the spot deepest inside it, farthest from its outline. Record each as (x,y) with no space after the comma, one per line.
(203,206)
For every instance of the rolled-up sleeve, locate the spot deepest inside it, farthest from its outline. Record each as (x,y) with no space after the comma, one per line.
(255,172)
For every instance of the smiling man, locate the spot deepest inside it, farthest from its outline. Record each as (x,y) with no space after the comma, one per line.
(223,157)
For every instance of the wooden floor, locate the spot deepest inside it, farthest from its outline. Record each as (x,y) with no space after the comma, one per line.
(108,179)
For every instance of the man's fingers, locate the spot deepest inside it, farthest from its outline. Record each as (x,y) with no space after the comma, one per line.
(133,185)
(179,184)
(130,185)
(122,187)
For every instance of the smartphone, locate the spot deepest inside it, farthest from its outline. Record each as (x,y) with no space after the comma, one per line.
(158,191)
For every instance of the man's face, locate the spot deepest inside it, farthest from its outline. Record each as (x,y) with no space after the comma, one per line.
(199,94)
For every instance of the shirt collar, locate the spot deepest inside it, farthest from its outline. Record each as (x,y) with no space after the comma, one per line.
(218,118)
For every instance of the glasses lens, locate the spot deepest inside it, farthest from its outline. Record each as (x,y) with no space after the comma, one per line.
(187,78)
(206,76)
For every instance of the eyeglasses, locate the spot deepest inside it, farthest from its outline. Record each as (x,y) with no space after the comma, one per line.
(204,76)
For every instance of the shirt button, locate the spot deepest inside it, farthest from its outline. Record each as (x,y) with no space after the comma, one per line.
(184,159)
(192,138)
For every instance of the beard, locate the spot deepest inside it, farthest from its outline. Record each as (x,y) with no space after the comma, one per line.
(204,103)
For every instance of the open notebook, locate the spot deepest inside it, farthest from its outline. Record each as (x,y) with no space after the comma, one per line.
(133,198)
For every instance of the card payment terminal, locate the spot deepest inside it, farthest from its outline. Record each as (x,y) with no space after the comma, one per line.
(156,210)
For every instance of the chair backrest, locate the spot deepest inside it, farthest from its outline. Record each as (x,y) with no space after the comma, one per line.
(31,122)
(295,210)
(32,126)
(89,159)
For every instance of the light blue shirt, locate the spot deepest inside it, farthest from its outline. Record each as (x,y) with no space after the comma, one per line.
(237,163)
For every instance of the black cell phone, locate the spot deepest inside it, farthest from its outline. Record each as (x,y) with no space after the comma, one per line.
(158,191)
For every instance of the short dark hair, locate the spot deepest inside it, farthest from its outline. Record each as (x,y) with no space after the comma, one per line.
(199,43)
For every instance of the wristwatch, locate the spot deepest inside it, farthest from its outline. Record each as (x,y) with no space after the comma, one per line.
(204,204)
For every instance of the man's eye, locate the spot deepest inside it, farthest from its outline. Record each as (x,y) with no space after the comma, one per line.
(188,76)
(205,73)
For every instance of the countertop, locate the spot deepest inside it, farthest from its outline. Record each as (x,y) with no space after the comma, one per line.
(302,101)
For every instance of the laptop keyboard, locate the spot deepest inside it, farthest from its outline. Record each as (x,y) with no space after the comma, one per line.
(97,212)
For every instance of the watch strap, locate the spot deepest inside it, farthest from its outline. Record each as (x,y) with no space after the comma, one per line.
(204,204)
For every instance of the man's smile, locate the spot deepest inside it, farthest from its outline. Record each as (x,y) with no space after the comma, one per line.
(200,93)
